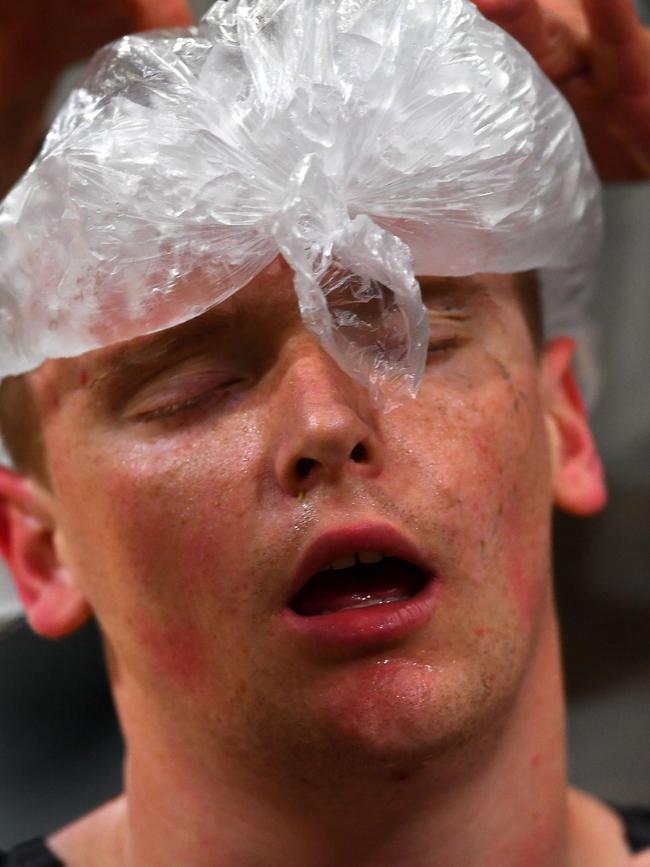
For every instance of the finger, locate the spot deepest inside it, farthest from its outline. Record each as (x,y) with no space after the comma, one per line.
(522,19)
(154,14)
(617,131)
(554,36)
(620,45)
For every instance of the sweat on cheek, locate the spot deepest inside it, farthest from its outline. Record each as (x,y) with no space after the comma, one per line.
(187,541)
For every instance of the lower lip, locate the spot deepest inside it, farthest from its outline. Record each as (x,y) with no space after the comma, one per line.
(358,628)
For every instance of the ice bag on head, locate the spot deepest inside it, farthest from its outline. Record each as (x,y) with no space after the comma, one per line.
(366,141)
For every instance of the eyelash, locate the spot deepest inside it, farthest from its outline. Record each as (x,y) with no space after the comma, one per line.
(170,410)
(440,346)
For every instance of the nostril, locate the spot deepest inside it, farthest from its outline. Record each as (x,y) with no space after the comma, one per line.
(304,467)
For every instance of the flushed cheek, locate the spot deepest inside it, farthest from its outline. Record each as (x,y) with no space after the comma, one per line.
(184,563)
(162,569)
(175,588)
(176,655)
(179,509)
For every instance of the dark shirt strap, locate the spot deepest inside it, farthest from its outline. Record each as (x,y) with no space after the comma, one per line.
(34,853)
(637,827)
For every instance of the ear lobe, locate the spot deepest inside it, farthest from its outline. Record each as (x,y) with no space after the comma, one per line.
(53,605)
(578,480)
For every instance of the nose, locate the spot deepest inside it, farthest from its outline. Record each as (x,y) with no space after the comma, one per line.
(327,426)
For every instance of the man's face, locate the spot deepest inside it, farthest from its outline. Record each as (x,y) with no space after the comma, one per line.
(192,472)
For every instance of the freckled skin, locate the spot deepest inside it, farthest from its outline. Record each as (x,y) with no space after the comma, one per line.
(183,532)
(192,531)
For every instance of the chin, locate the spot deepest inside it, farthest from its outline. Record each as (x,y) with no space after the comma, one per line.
(392,717)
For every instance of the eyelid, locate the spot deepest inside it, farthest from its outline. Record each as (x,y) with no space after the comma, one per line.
(446,333)
(444,342)
(446,326)
(180,390)
(448,313)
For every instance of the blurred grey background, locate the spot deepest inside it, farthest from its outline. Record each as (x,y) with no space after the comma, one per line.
(60,751)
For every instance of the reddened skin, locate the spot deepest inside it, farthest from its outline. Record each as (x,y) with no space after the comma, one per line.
(578,480)
(32,548)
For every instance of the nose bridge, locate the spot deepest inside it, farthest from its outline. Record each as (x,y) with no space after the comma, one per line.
(326,421)
(311,369)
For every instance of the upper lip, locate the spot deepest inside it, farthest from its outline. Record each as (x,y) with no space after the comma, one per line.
(352,538)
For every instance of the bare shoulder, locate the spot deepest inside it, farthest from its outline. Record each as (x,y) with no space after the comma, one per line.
(597,835)
(94,839)
(641,859)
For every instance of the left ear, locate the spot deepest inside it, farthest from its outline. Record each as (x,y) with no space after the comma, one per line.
(578,481)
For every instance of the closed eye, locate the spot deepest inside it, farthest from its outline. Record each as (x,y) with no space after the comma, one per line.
(439,348)
(442,345)
(180,394)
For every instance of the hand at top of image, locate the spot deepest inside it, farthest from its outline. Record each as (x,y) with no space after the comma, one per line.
(598,53)
(38,40)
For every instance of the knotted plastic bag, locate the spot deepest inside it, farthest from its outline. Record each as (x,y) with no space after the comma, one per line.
(366,141)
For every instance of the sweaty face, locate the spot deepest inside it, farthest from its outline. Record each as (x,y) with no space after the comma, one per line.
(206,480)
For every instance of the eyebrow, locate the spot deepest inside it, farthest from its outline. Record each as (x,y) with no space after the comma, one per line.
(140,355)
(458,292)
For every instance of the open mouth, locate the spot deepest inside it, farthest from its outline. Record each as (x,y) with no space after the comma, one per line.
(363,579)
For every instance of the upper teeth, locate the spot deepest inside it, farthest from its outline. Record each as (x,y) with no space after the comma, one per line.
(349,560)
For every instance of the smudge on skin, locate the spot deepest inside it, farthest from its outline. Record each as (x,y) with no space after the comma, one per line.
(504,373)
(518,396)
(520,399)
(496,520)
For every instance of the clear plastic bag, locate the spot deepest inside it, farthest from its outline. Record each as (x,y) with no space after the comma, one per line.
(366,141)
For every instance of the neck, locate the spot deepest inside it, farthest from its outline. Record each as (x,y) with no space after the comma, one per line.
(506,806)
